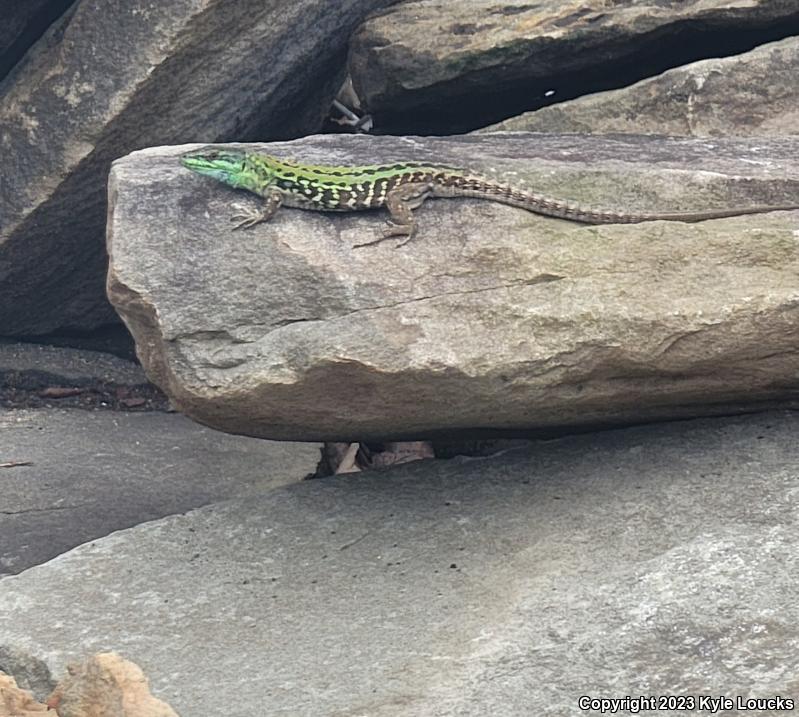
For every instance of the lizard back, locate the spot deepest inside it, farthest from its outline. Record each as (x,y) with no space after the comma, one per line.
(333,188)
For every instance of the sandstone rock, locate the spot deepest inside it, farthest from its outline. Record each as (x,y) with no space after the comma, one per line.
(753,94)
(432,66)
(106,685)
(493,319)
(654,560)
(90,473)
(15,702)
(116,76)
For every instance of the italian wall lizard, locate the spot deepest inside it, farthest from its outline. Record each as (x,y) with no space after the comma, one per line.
(400,187)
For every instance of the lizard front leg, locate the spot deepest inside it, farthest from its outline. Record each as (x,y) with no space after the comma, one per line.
(248,217)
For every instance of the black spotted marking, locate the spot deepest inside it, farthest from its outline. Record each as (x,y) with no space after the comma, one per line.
(330,197)
(343,199)
(326,172)
(425,177)
(380,189)
(286,184)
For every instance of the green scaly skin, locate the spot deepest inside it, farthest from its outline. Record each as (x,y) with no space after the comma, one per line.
(400,187)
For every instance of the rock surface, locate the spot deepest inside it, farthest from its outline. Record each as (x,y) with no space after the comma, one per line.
(87,474)
(655,560)
(36,376)
(116,76)
(493,318)
(438,67)
(753,94)
(67,365)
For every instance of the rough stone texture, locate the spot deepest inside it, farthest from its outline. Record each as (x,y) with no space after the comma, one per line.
(752,94)
(433,66)
(117,75)
(21,23)
(95,472)
(492,319)
(40,376)
(106,685)
(73,366)
(655,560)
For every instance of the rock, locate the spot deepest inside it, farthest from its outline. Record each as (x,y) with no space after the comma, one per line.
(718,97)
(437,67)
(74,366)
(15,702)
(493,320)
(655,560)
(106,685)
(33,374)
(22,24)
(80,475)
(116,76)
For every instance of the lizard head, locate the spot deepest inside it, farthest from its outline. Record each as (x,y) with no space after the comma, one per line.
(229,166)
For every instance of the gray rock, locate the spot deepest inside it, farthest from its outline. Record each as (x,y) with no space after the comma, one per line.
(75,367)
(655,560)
(753,94)
(38,376)
(493,319)
(432,66)
(117,76)
(92,473)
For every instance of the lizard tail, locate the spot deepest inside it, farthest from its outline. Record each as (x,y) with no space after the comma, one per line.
(547,206)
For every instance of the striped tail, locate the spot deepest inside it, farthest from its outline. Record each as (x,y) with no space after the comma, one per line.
(474,187)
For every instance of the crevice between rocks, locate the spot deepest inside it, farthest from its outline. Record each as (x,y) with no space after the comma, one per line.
(474,102)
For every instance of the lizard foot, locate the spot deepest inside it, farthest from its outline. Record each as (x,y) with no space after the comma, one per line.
(390,232)
(406,231)
(247,216)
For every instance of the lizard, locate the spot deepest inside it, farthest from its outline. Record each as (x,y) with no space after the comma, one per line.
(400,187)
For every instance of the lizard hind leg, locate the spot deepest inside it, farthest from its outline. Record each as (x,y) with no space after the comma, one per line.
(400,202)
(248,217)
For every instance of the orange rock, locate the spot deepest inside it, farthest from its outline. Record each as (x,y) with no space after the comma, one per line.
(106,685)
(16,702)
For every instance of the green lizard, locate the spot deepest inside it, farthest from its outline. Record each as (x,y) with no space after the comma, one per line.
(400,187)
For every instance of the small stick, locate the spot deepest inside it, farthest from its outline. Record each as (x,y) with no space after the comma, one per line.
(353,542)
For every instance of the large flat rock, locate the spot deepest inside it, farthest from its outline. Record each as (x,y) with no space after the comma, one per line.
(721,97)
(111,77)
(91,473)
(657,560)
(439,67)
(493,319)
